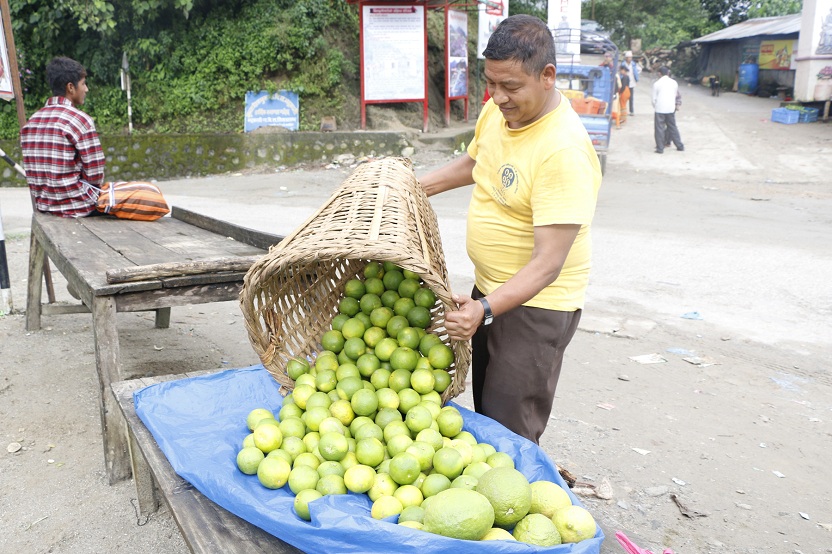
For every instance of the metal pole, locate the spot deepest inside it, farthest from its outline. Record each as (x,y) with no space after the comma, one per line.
(125,85)
(6,306)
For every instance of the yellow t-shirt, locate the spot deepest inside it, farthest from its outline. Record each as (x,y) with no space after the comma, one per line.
(542,174)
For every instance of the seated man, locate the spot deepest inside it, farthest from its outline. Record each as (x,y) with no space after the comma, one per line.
(62,155)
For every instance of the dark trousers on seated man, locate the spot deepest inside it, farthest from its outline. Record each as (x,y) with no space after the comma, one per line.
(666,131)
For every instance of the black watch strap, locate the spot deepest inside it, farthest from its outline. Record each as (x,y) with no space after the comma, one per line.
(488,316)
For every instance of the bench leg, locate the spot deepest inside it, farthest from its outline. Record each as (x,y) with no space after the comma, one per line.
(163,318)
(143,478)
(113,428)
(34,287)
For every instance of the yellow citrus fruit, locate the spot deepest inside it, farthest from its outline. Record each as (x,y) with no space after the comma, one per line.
(255,415)
(425,298)
(574,524)
(373,270)
(364,402)
(302,501)
(330,467)
(249,458)
(332,425)
(398,444)
(307,459)
(448,462)
(359,478)
(537,529)
(268,438)
(369,430)
(408,287)
(476,469)
(324,362)
(441,356)
(349,306)
(466,437)
(404,468)
(303,478)
(381,316)
(354,348)
(297,367)
(404,358)
(487,449)
(403,306)
(386,506)
(423,452)
(369,451)
(342,410)
(289,410)
(266,421)
(463,448)
(422,380)
(248,441)
(331,484)
(459,514)
(498,534)
(434,408)
(325,381)
(500,459)
(293,446)
(314,416)
(318,400)
(373,335)
(389,298)
(273,472)
(280,453)
(374,285)
(369,302)
(388,398)
(395,428)
(409,495)
(419,317)
(355,289)
(383,485)
(409,337)
(434,398)
(392,279)
(333,340)
(509,492)
(450,423)
(548,498)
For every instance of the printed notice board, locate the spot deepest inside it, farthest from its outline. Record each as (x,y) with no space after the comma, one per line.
(394,52)
(280,109)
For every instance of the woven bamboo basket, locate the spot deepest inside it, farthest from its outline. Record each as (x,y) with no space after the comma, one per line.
(379,213)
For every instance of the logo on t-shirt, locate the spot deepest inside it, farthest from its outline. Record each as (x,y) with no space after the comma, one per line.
(508,180)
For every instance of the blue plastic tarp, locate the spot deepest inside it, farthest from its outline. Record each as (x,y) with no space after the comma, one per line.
(200,422)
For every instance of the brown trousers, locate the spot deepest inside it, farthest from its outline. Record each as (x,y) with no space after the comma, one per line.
(516,364)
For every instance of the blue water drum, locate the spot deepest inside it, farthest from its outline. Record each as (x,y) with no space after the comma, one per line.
(749,75)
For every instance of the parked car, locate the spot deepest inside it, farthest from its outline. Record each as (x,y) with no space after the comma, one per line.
(594,37)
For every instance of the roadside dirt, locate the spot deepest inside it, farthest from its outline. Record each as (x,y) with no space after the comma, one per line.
(715,259)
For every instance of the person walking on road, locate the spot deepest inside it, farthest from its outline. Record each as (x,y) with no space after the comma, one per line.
(623,94)
(536,178)
(633,70)
(665,91)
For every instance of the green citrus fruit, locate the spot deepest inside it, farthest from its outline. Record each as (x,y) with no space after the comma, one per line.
(330,467)
(395,325)
(408,398)
(509,492)
(369,451)
(419,317)
(428,341)
(424,453)
(412,514)
(425,298)
(441,356)
(355,347)
(369,430)
(398,443)
(441,380)
(303,478)
(403,306)
(537,529)
(367,364)
(449,463)
(359,478)
(409,496)
(389,298)
(385,348)
(249,458)
(268,438)
(459,514)
(431,437)
(256,415)
(331,484)
(434,484)
(373,270)
(374,285)
(374,335)
(302,501)
(369,302)
(388,398)
(386,506)
(387,415)
(289,410)
(404,358)
(297,367)
(273,472)
(450,423)
(333,340)
(355,289)
(405,468)
(497,534)
(548,498)
(465,482)
(380,378)
(349,306)
(418,418)
(383,485)
(392,279)
(292,427)
(338,321)
(364,402)
(500,459)
(307,459)
(348,369)
(380,317)
(409,337)
(408,287)
(422,380)
(333,446)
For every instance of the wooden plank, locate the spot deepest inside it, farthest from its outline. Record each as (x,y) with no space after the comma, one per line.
(253,237)
(116,457)
(162,318)
(208,279)
(205,526)
(61,309)
(34,286)
(182,296)
(172,269)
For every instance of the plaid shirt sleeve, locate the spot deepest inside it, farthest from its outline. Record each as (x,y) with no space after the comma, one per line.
(92,157)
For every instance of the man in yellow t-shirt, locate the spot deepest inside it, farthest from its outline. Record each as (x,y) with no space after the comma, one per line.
(536,180)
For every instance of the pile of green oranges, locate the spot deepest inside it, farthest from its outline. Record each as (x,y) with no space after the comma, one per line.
(366,417)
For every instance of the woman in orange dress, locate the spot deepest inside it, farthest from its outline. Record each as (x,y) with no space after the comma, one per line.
(623,93)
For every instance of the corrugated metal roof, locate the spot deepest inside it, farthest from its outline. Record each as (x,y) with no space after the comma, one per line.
(784,25)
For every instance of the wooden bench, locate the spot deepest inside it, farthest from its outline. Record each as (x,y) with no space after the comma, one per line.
(205,526)
(117,265)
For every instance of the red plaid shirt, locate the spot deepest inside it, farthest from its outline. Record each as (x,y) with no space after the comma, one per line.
(63,159)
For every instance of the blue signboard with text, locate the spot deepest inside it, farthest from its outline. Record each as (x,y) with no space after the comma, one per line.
(264,109)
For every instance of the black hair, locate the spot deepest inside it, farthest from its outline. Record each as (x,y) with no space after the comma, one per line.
(625,68)
(61,71)
(664,70)
(524,38)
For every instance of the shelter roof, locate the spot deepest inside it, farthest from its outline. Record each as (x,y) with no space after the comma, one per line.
(783,25)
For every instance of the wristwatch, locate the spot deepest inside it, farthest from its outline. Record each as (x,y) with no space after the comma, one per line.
(488,316)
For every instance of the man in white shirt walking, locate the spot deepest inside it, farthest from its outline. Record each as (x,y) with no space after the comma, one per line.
(664,105)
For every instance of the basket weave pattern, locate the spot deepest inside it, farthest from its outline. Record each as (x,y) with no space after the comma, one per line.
(379,213)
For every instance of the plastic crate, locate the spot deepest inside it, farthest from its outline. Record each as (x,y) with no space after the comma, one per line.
(784,115)
(808,115)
